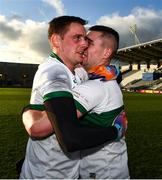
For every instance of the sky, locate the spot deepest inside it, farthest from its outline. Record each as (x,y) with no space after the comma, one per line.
(24,23)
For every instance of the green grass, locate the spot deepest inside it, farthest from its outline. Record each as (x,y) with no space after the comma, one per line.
(12,135)
(144,136)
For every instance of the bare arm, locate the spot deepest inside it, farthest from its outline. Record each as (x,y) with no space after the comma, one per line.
(37,123)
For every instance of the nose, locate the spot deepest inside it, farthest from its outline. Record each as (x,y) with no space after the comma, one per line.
(85,42)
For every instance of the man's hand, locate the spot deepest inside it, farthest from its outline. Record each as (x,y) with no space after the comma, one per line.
(120,123)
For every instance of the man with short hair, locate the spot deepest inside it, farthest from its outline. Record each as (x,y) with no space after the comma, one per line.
(102,101)
(51,91)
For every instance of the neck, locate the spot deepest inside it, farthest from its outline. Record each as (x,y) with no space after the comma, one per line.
(70,66)
(67,63)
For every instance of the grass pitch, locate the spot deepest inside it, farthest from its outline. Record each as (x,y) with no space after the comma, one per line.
(144,136)
(12,135)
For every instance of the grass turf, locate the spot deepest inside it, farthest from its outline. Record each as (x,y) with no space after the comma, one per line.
(12,135)
(144,137)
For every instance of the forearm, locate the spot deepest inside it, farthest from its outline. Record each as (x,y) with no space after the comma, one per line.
(71,134)
(37,123)
(41,129)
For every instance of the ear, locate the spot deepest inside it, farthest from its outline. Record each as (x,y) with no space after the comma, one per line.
(107,52)
(55,40)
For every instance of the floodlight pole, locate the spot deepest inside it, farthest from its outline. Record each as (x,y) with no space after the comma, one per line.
(133,29)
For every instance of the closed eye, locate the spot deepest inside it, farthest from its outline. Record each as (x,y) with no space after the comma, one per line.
(90,41)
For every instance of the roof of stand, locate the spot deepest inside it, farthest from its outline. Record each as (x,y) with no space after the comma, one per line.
(144,52)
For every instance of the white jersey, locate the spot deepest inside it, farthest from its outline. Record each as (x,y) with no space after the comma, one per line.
(44,158)
(52,77)
(102,101)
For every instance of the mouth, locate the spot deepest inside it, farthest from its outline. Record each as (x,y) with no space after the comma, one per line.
(83,53)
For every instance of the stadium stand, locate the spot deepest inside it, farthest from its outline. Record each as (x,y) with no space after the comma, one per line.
(144,52)
(157,86)
(131,76)
(148,60)
(142,84)
(17,74)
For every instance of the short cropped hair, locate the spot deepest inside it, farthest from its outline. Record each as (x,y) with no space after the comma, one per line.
(107,31)
(60,24)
